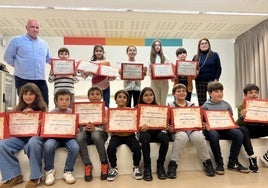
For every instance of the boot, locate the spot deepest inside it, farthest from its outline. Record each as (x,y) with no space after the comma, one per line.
(160,170)
(208,168)
(172,170)
(147,174)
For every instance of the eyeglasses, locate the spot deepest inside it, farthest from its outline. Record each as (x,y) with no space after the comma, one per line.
(203,43)
(182,52)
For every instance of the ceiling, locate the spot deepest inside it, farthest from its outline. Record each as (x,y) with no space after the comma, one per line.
(132,21)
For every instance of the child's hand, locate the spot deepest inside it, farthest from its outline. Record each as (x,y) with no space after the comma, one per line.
(144,128)
(27,110)
(170,128)
(90,127)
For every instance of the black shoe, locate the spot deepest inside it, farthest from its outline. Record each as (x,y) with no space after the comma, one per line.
(236,166)
(253,167)
(172,170)
(208,168)
(219,169)
(147,174)
(161,174)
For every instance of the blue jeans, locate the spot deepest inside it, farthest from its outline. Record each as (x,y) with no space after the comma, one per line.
(9,164)
(231,134)
(106,96)
(50,147)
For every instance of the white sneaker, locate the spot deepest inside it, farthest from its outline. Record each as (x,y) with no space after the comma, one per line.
(50,177)
(137,173)
(68,177)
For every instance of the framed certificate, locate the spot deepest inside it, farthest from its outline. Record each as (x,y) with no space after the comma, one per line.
(59,125)
(189,118)
(132,71)
(219,120)
(24,125)
(63,67)
(108,71)
(88,66)
(162,71)
(186,68)
(89,112)
(122,120)
(154,116)
(4,133)
(257,110)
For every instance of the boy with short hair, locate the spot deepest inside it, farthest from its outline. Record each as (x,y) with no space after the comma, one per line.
(251,129)
(180,138)
(216,102)
(63,82)
(62,101)
(93,134)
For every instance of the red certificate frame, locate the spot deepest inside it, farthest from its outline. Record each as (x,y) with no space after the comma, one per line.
(188,118)
(154,116)
(88,66)
(186,68)
(132,71)
(219,120)
(52,121)
(162,71)
(122,120)
(24,125)
(62,67)
(89,112)
(4,132)
(257,110)
(108,71)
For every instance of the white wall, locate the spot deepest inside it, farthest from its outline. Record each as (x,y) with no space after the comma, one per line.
(116,54)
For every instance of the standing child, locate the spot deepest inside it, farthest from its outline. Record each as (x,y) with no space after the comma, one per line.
(121,98)
(215,91)
(30,99)
(93,134)
(180,138)
(146,136)
(251,129)
(160,87)
(62,101)
(63,82)
(133,87)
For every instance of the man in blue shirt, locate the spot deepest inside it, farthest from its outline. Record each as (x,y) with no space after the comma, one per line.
(28,54)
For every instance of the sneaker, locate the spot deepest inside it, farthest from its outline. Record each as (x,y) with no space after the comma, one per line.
(50,177)
(264,159)
(147,174)
(219,169)
(68,177)
(12,182)
(88,173)
(33,183)
(112,174)
(253,167)
(172,170)
(137,173)
(208,168)
(237,167)
(104,171)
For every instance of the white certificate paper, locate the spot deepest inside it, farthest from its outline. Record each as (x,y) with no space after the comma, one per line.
(122,120)
(63,67)
(59,125)
(108,71)
(88,66)
(23,125)
(186,68)
(154,116)
(257,110)
(163,71)
(132,71)
(188,118)
(89,112)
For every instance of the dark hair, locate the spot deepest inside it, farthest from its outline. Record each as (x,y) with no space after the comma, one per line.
(94,88)
(63,49)
(199,52)
(153,52)
(180,50)
(38,104)
(61,92)
(121,91)
(214,85)
(250,87)
(142,93)
(94,58)
(178,86)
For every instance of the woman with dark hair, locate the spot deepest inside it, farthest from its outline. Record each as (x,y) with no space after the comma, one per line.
(209,69)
